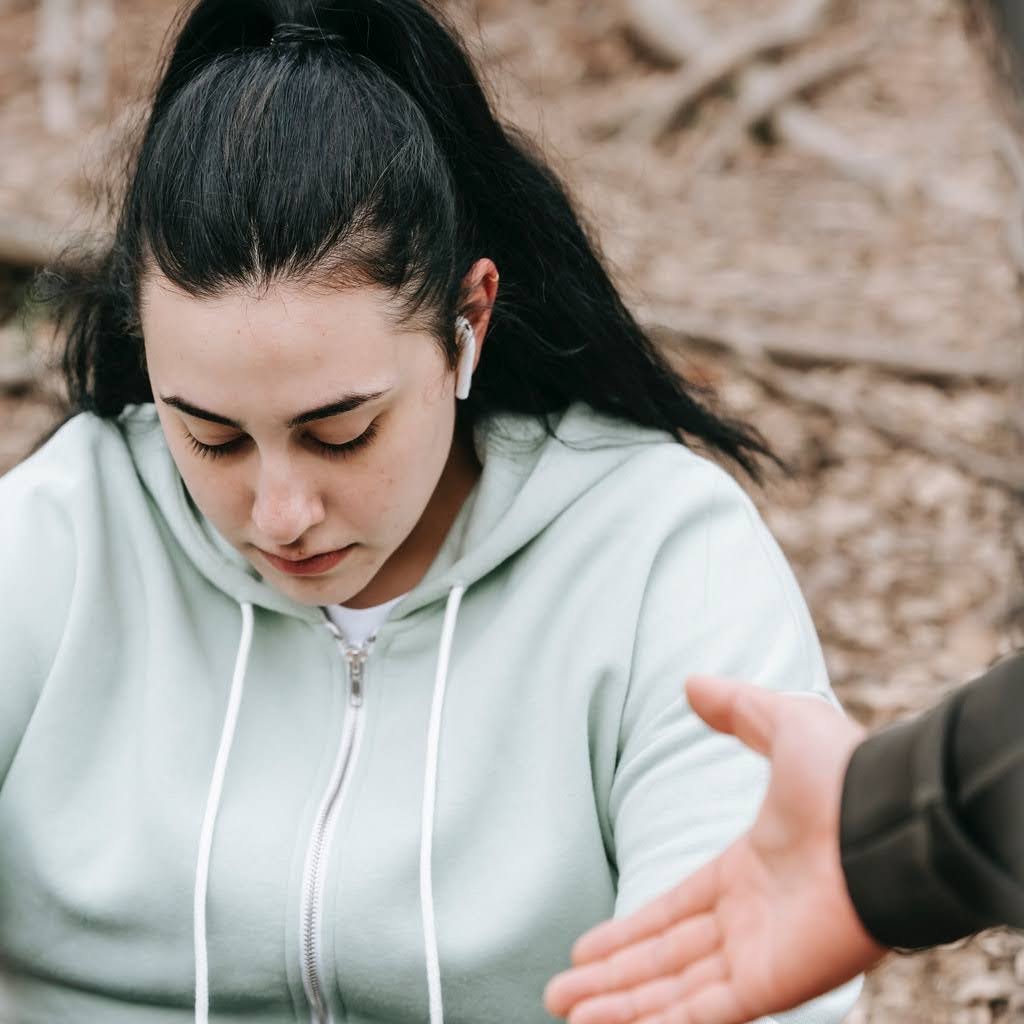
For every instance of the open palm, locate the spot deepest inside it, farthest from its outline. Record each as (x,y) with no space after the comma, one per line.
(766,925)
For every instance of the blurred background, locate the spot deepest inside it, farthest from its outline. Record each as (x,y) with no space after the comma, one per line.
(817,207)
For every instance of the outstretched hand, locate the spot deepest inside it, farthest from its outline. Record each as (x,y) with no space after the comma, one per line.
(766,925)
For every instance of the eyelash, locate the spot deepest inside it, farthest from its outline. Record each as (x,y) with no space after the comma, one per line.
(332,451)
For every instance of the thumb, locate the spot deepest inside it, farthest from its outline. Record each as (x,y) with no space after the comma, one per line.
(750,713)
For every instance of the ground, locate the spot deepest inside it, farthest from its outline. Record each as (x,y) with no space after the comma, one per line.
(907,560)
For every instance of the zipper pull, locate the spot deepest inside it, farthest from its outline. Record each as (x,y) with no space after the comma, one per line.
(356,657)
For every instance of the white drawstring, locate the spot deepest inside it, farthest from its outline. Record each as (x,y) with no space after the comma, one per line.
(429,792)
(212,804)
(427,834)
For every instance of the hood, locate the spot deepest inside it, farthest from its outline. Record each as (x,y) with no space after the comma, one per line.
(529,478)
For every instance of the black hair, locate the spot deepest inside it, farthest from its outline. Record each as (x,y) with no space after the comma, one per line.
(357,146)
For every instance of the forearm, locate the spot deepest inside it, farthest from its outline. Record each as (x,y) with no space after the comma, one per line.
(932,828)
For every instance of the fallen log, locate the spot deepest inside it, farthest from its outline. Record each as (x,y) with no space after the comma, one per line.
(1005,473)
(686,331)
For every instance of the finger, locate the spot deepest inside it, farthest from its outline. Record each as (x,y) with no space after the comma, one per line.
(647,1001)
(668,953)
(750,713)
(714,1004)
(692,896)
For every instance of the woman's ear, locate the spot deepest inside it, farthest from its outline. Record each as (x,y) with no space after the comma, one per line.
(480,287)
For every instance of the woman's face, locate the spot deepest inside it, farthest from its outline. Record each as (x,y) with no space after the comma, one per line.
(303,424)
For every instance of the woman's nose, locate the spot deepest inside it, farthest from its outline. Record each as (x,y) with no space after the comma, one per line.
(285,507)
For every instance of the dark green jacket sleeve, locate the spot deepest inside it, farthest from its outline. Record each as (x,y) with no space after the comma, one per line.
(932,821)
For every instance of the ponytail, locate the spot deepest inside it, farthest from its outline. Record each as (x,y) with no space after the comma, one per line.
(389,167)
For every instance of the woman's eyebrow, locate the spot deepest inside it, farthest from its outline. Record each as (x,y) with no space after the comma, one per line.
(347,403)
(344,404)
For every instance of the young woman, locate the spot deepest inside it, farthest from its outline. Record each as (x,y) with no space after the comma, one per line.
(345,624)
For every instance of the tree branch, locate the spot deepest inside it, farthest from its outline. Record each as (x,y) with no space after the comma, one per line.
(675,35)
(765,89)
(707,64)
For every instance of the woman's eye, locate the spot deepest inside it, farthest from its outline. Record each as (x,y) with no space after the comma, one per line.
(213,451)
(349,447)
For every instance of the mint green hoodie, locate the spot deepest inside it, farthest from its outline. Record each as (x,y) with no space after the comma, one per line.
(199,786)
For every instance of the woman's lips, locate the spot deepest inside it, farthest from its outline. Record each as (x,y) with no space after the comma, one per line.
(307,566)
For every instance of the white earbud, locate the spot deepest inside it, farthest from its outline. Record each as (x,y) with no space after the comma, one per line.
(467,356)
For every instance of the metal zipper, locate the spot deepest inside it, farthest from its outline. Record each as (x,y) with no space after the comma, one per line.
(312,883)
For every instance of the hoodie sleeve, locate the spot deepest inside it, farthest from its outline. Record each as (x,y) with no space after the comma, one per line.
(721,600)
(37,572)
